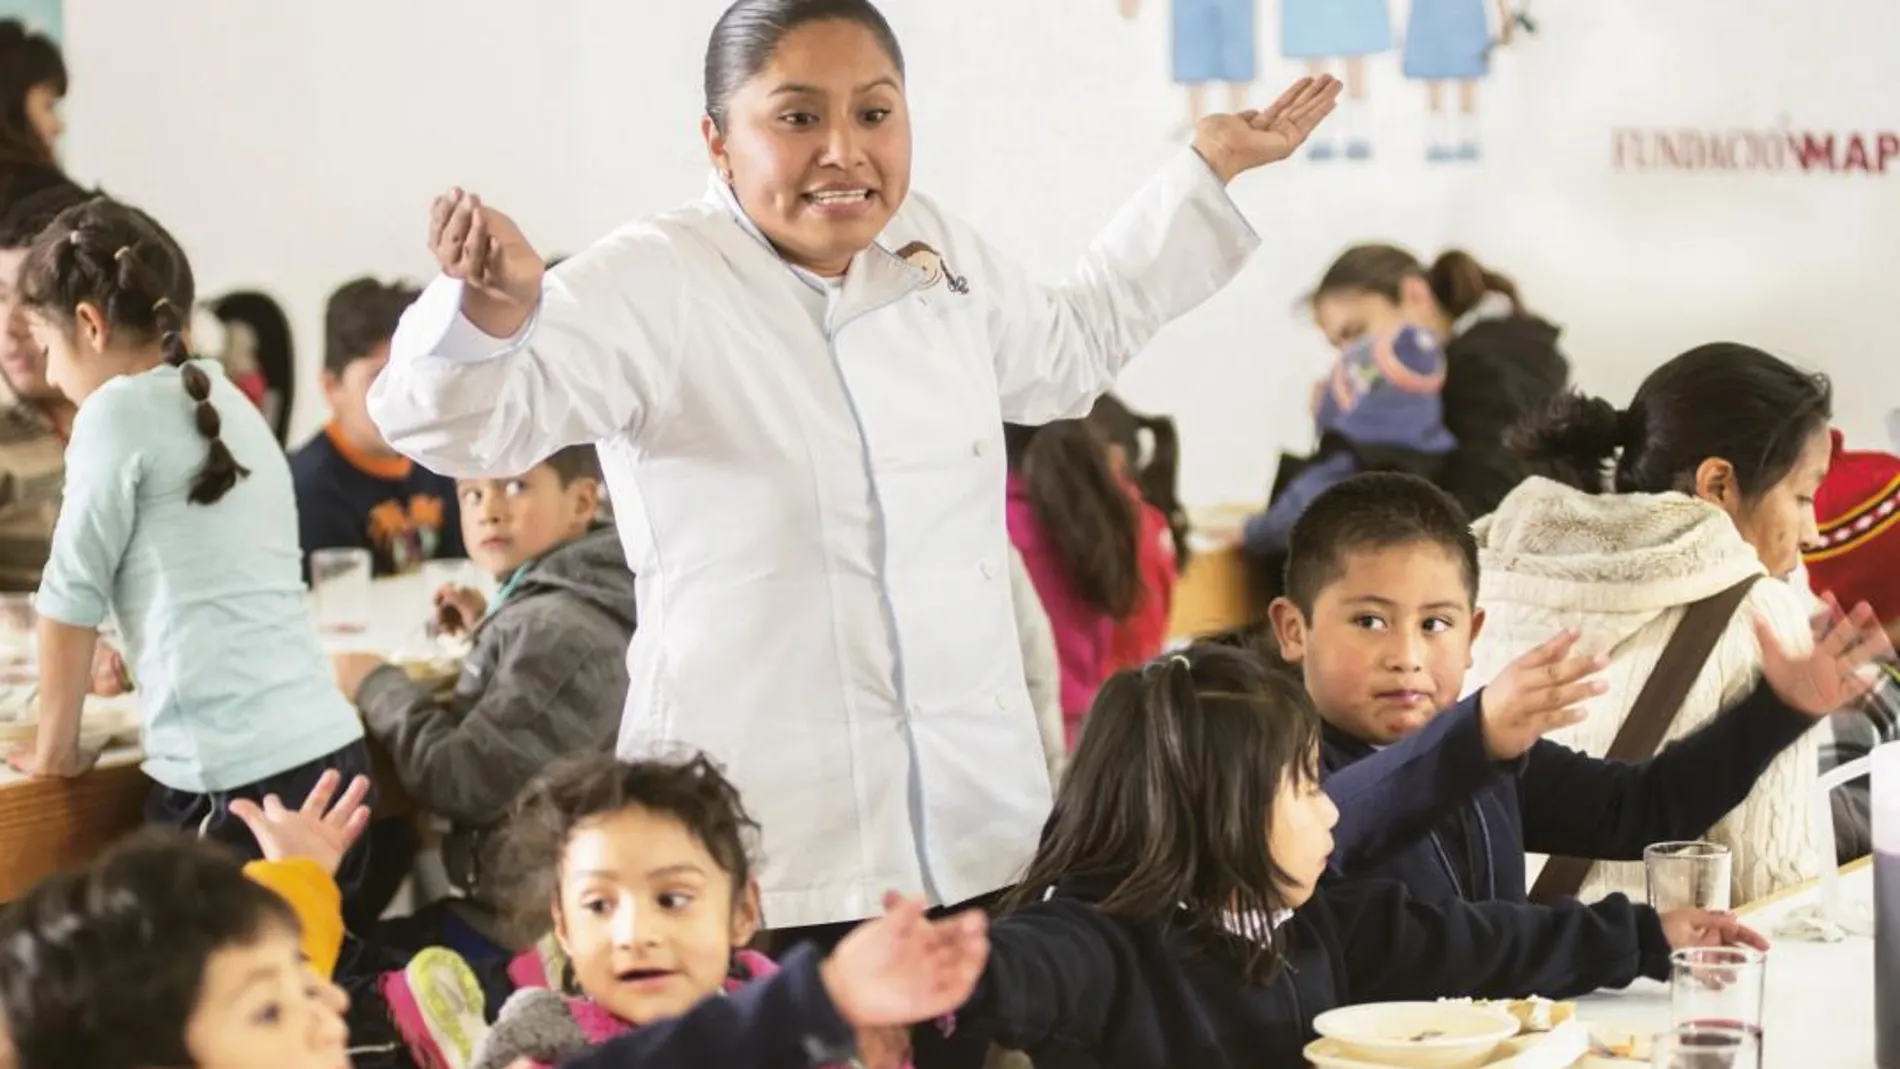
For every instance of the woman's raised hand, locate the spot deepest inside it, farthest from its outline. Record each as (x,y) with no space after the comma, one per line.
(1232,144)
(484,248)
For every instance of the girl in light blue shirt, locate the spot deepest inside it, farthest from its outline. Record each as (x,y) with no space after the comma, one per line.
(179,520)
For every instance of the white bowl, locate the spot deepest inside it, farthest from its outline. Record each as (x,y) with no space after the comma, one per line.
(1417,1035)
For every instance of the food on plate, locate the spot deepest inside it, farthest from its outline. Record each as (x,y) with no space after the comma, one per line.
(1533,1014)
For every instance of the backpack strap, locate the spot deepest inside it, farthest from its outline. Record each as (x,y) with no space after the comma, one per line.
(1690,644)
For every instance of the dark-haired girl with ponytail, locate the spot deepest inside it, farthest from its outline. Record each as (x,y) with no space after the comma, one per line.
(1144,453)
(1077,528)
(1501,361)
(179,522)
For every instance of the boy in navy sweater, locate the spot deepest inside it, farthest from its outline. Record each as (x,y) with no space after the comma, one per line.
(353,490)
(1446,796)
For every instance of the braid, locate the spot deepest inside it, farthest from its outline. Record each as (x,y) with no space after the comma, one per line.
(221,470)
(121,261)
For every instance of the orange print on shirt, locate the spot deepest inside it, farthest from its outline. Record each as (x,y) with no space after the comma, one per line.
(425,512)
(387,522)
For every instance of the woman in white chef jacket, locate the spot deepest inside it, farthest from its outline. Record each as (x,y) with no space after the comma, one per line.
(798,386)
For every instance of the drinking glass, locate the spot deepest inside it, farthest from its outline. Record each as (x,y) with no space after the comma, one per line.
(339,579)
(1687,876)
(1718,988)
(1705,1046)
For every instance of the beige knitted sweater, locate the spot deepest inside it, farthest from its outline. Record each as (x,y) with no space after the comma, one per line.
(1623,568)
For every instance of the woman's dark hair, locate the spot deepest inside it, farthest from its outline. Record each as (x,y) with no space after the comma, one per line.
(103,968)
(1719,400)
(693,792)
(119,260)
(745,36)
(1457,280)
(1083,510)
(1156,471)
(27,59)
(1163,815)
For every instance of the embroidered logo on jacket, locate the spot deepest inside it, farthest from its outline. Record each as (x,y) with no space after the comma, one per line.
(935,269)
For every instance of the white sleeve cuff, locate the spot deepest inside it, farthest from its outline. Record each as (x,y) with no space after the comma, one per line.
(435,326)
(1198,180)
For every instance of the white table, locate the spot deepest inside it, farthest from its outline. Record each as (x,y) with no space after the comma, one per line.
(1819,1011)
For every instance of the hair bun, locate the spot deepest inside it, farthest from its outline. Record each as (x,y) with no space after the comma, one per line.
(1575,439)
(206,415)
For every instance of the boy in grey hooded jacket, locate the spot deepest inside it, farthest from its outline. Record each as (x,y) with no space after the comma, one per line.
(545,675)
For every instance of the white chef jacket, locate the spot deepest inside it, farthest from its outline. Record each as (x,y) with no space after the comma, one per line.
(812,504)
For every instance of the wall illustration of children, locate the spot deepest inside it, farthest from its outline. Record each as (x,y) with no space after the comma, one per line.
(1324,32)
(1447,42)
(1213,46)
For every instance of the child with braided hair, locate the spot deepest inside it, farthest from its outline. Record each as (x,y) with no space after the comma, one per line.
(192,550)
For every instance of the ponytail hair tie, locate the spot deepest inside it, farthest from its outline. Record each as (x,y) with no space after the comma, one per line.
(163,302)
(124,251)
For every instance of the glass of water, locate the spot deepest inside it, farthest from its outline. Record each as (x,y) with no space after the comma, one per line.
(1687,876)
(1706,1046)
(339,580)
(1717,990)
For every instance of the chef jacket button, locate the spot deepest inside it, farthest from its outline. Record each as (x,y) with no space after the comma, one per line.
(981,447)
(988,569)
(1002,701)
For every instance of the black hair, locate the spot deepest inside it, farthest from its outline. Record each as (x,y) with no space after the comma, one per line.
(1164,813)
(575,462)
(692,791)
(1083,510)
(121,261)
(276,349)
(28,213)
(1724,400)
(360,315)
(27,59)
(103,968)
(1373,510)
(745,37)
(1457,280)
(1155,471)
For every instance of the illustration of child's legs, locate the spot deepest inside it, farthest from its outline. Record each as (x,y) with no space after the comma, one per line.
(1438,135)
(1468,120)
(1356,126)
(1197,104)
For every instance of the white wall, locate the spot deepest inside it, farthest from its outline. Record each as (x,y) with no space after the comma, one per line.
(292,144)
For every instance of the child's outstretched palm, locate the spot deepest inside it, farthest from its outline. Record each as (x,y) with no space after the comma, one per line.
(1828,676)
(1538,693)
(903,968)
(317,831)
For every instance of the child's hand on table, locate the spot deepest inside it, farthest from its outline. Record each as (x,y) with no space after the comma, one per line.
(1685,928)
(30,762)
(352,669)
(1537,694)
(316,831)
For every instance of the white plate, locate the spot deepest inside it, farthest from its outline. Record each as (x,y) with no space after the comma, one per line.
(1565,1047)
